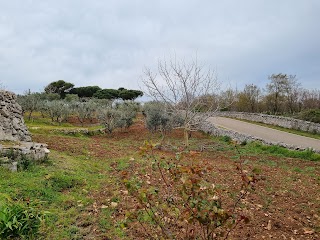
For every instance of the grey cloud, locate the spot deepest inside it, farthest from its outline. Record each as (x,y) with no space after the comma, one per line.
(107,43)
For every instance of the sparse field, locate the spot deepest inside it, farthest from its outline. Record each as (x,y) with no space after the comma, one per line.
(83,180)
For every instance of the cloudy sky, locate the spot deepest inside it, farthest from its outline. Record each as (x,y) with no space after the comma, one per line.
(109,42)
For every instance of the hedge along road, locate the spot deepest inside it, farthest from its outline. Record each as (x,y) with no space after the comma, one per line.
(268,134)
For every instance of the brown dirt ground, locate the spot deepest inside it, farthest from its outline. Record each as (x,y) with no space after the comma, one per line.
(288,197)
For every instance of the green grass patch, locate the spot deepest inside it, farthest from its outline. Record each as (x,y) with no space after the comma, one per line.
(258,148)
(294,131)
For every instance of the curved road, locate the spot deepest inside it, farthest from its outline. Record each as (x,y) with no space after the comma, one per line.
(265,133)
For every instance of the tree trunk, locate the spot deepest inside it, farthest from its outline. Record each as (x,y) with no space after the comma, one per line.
(186,137)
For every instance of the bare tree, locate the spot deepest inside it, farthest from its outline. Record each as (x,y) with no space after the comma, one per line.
(248,99)
(180,86)
(276,92)
(292,94)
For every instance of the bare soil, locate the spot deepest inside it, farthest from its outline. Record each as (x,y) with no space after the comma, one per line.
(285,204)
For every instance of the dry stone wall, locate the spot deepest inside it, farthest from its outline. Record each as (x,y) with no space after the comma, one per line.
(211,129)
(15,139)
(285,122)
(12,125)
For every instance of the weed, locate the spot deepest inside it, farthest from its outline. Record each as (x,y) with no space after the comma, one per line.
(226,139)
(63,181)
(19,220)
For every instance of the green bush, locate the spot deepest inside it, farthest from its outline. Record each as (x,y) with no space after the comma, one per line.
(226,139)
(312,115)
(18,220)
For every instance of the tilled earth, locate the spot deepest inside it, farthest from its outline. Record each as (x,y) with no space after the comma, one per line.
(284,205)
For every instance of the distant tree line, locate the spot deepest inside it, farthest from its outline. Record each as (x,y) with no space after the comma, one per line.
(282,95)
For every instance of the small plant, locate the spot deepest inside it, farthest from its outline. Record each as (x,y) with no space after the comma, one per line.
(226,139)
(177,201)
(19,220)
(25,163)
(63,181)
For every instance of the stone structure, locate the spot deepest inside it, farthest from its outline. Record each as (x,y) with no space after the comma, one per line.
(12,125)
(291,123)
(15,139)
(211,129)
(285,122)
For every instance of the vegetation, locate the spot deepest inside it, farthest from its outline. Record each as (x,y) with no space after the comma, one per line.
(60,87)
(181,88)
(95,186)
(19,220)
(312,115)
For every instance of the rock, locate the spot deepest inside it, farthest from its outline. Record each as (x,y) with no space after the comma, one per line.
(12,128)
(11,119)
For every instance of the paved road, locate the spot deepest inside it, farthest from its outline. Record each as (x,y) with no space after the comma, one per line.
(265,133)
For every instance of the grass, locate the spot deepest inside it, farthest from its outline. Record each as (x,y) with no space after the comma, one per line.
(294,131)
(83,177)
(258,148)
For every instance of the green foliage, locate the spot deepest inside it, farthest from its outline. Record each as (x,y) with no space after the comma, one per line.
(87,91)
(226,139)
(158,118)
(30,102)
(63,181)
(125,94)
(176,201)
(25,163)
(106,94)
(312,115)
(71,98)
(128,112)
(110,118)
(278,150)
(61,87)
(19,220)
(119,117)
(121,93)
(84,110)
(58,110)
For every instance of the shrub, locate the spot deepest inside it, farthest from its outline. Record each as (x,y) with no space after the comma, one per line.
(128,112)
(18,220)
(177,201)
(158,118)
(226,139)
(110,118)
(312,115)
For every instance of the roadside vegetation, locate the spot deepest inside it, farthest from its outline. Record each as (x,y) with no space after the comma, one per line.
(294,131)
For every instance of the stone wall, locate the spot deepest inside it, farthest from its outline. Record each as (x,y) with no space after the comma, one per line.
(12,125)
(285,122)
(15,139)
(211,129)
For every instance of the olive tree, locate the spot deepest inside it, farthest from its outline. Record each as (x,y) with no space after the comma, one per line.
(84,110)
(180,85)
(158,118)
(30,102)
(110,118)
(58,110)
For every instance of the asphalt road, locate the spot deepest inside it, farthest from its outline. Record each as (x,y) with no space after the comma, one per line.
(265,133)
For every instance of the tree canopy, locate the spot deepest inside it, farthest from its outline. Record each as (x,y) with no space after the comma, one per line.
(88,91)
(61,87)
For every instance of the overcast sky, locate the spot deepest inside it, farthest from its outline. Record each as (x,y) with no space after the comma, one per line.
(108,42)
